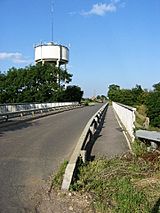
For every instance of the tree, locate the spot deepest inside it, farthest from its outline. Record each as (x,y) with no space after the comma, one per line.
(153,106)
(137,92)
(137,97)
(114,92)
(101,98)
(156,87)
(38,83)
(126,97)
(131,97)
(2,87)
(73,93)
(32,84)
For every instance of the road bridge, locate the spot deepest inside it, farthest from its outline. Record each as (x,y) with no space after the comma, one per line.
(31,151)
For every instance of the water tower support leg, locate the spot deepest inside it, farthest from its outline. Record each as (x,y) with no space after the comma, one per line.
(58,77)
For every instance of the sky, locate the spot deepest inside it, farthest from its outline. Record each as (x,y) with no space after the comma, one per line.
(110,41)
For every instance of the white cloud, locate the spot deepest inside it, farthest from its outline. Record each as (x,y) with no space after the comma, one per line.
(72,13)
(16,57)
(101,9)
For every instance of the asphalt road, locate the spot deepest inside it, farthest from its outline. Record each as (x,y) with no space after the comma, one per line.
(31,151)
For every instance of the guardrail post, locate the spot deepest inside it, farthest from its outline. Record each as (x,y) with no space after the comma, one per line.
(92,130)
(7,118)
(154,145)
(83,155)
(98,118)
(95,123)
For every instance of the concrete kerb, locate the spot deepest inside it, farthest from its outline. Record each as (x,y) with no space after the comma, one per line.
(78,151)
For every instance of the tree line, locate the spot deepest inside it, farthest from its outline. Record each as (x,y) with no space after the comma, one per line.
(136,97)
(37,83)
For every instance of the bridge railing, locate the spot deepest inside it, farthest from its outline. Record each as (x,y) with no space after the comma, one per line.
(15,110)
(127,117)
(81,147)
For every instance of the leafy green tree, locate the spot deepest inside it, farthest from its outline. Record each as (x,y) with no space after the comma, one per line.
(2,87)
(38,83)
(73,93)
(114,92)
(131,97)
(137,93)
(156,87)
(98,97)
(126,97)
(137,97)
(101,98)
(153,106)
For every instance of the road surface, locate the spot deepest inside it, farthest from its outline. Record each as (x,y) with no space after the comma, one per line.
(31,151)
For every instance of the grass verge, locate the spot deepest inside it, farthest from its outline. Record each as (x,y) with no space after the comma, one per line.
(58,177)
(139,148)
(123,184)
(126,184)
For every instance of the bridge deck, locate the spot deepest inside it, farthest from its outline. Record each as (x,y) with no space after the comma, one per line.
(111,140)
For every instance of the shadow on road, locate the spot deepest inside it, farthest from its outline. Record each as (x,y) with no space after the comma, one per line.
(18,125)
(119,129)
(13,125)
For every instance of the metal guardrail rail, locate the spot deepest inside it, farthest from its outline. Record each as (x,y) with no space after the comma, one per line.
(148,135)
(80,149)
(151,137)
(8,115)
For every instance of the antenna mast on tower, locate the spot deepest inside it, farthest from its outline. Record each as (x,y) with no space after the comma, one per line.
(52,5)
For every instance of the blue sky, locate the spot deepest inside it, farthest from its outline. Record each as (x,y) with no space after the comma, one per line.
(111,41)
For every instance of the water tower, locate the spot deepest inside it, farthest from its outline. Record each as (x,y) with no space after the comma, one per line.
(52,53)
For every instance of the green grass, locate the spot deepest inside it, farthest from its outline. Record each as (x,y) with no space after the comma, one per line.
(142,109)
(151,128)
(141,118)
(126,184)
(138,148)
(121,184)
(58,177)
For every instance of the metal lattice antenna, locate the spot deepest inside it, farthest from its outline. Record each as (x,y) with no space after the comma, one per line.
(52,5)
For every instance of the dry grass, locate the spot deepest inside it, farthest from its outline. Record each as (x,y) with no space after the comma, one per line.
(125,184)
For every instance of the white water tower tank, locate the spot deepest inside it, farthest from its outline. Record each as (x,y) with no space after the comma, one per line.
(52,53)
